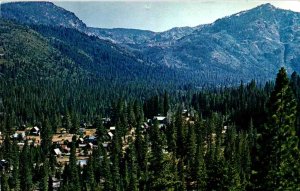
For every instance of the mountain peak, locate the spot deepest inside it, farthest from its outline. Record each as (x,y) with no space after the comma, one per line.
(41,13)
(267,6)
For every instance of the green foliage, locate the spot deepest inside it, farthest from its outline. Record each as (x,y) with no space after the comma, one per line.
(44,176)
(26,168)
(46,137)
(51,80)
(4,183)
(283,165)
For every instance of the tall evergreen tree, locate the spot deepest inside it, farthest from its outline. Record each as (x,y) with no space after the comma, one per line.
(106,173)
(191,149)
(101,131)
(46,137)
(89,175)
(15,178)
(166,103)
(26,168)
(4,183)
(75,123)
(199,170)
(73,169)
(133,179)
(281,145)
(44,176)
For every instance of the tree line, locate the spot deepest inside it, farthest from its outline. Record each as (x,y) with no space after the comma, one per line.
(230,138)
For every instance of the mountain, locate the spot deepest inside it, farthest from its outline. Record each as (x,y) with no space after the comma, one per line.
(28,55)
(45,13)
(121,35)
(252,44)
(46,51)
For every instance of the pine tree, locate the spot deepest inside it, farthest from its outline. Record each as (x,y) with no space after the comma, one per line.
(181,152)
(138,111)
(4,182)
(74,175)
(46,137)
(115,159)
(133,181)
(191,149)
(166,103)
(75,123)
(199,170)
(15,179)
(101,132)
(156,165)
(171,140)
(44,176)
(131,116)
(6,147)
(216,168)
(89,175)
(283,144)
(67,121)
(156,149)
(26,168)
(181,175)
(106,173)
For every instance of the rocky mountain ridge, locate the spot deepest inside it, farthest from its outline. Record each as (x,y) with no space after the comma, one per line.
(251,44)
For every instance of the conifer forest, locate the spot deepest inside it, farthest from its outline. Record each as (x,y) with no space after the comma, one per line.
(79,112)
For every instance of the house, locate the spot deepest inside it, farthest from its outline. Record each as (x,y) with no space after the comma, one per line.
(106,120)
(80,140)
(55,183)
(111,135)
(162,121)
(145,125)
(81,130)
(19,135)
(62,130)
(35,131)
(3,164)
(82,162)
(22,127)
(90,139)
(224,129)
(65,149)
(105,145)
(57,152)
(21,144)
(90,146)
(90,132)
(83,125)
(62,139)
(81,145)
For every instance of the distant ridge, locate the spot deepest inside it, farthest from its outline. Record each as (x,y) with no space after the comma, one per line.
(252,44)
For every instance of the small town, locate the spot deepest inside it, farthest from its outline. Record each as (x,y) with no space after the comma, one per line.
(141,95)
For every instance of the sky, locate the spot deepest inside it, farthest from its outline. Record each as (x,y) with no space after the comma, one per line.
(161,15)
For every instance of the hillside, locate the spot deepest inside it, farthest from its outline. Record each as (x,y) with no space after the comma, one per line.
(27,55)
(249,45)
(87,109)
(45,13)
(253,43)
